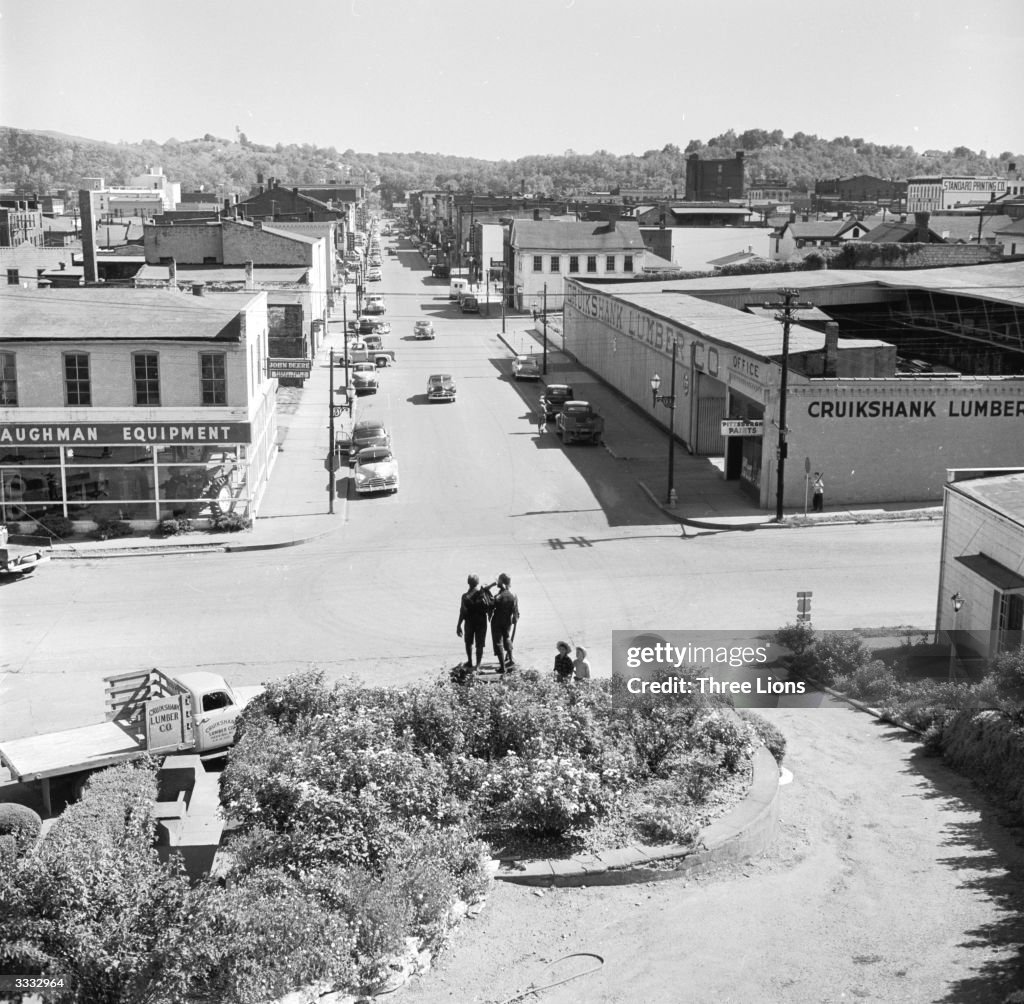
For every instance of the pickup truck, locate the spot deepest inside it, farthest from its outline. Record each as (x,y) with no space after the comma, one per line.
(149,713)
(367,354)
(577,421)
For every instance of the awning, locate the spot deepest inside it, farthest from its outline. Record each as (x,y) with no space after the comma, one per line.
(999,575)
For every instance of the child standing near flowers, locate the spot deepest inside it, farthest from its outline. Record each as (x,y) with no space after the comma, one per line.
(581,666)
(564,668)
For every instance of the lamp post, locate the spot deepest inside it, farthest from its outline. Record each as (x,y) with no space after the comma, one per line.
(670,401)
(957,602)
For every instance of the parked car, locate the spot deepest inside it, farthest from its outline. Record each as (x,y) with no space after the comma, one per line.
(578,422)
(423,330)
(363,377)
(525,368)
(440,387)
(470,305)
(381,327)
(374,304)
(554,398)
(376,470)
(441,271)
(369,432)
(373,275)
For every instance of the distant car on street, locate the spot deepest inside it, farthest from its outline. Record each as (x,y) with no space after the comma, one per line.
(440,387)
(525,368)
(374,304)
(373,275)
(441,271)
(423,330)
(376,470)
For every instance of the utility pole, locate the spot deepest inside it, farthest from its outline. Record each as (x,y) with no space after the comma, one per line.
(545,322)
(786,308)
(332,455)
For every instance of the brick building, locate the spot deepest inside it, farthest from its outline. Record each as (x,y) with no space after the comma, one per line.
(714,179)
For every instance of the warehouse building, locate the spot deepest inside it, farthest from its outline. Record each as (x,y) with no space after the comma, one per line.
(893,377)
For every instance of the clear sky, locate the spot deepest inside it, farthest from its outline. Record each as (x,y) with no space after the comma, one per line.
(502,79)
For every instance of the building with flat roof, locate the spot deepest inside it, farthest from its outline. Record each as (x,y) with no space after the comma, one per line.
(139,405)
(893,378)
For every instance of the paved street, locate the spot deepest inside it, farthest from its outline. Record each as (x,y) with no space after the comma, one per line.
(377,596)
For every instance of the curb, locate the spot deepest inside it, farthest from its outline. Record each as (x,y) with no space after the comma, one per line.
(707,524)
(867,708)
(746,830)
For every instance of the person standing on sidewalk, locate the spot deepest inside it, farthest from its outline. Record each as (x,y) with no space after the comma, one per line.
(818,488)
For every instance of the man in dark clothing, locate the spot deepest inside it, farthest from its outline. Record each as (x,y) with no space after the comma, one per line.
(503,620)
(473,612)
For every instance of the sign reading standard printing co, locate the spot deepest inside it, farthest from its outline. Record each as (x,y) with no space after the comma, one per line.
(123,433)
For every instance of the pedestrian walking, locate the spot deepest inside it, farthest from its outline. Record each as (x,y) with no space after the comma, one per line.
(564,668)
(818,489)
(504,618)
(474,609)
(542,421)
(581,666)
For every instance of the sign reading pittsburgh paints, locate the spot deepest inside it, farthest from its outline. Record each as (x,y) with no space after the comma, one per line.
(954,408)
(123,433)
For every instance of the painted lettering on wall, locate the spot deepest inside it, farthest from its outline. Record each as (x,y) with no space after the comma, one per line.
(973,185)
(624,319)
(113,433)
(968,408)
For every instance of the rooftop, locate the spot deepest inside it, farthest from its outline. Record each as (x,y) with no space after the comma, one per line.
(106,314)
(1002,492)
(556,235)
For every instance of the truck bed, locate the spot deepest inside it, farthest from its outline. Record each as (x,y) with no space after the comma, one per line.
(55,753)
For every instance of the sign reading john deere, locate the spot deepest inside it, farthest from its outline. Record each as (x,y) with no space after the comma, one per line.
(300,368)
(123,433)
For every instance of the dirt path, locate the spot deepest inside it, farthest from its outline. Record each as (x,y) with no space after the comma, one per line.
(892,880)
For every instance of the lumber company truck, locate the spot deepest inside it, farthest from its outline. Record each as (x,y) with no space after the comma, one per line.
(148,713)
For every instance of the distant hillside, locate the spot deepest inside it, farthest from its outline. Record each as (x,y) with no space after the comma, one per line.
(38,161)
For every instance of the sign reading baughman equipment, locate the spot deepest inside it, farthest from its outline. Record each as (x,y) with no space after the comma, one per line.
(735,427)
(289,367)
(123,433)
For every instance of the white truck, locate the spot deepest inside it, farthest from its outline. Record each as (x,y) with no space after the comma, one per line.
(149,713)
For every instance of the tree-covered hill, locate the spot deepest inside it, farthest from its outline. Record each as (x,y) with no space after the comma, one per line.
(33,161)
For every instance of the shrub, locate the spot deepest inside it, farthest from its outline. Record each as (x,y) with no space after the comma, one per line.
(20,823)
(1008,674)
(230,522)
(111,529)
(838,653)
(768,733)
(873,682)
(174,527)
(724,739)
(663,818)
(56,525)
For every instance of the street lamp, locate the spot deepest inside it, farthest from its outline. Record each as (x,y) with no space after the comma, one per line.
(669,400)
(957,601)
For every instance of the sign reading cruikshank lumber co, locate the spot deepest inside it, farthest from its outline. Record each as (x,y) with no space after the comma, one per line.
(954,408)
(634,322)
(123,433)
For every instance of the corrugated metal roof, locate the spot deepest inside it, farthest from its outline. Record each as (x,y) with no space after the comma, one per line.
(757,336)
(222,273)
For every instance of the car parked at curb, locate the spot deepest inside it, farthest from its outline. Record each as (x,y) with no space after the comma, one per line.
(554,397)
(369,432)
(525,368)
(363,377)
(376,470)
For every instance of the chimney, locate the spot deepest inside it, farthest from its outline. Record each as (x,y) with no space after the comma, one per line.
(792,217)
(199,289)
(259,177)
(91,273)
(172,275)
(250,283)
(921,227)
(806,217)
(831,348)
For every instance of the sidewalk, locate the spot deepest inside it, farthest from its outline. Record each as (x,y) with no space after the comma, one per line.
(295,507)
(704,499)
